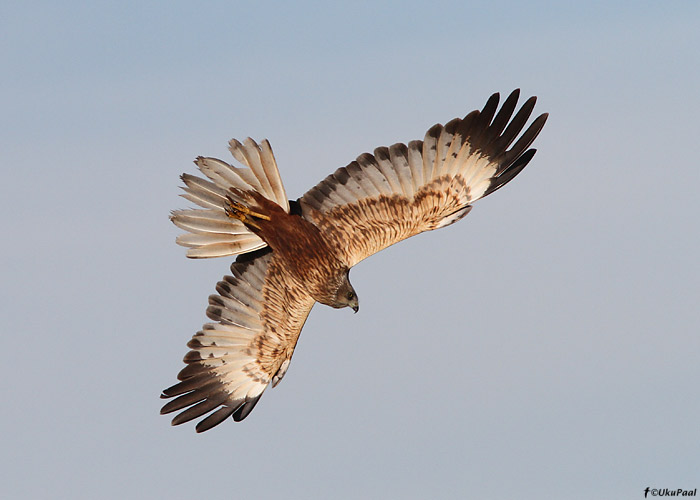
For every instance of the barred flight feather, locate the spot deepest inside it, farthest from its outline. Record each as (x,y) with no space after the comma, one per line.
(230,364)
(291,255)
(466,159)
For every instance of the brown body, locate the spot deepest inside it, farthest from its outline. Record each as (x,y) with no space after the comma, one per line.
(311,259)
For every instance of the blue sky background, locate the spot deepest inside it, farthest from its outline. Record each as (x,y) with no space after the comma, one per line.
(546,347)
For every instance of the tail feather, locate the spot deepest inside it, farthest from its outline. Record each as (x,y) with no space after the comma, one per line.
(207,221)
(252,153)
(263,166)
(208,251)
(202,192)
(212,232)
(270,165)
(223,174)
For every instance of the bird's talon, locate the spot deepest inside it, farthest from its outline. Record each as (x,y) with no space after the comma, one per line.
(237,210)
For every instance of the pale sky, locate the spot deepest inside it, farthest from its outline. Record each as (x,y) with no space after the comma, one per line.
(547,346)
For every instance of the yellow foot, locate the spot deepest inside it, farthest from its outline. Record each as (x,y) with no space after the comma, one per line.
(239,211)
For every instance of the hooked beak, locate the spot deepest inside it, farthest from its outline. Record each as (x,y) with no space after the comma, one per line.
(356,308)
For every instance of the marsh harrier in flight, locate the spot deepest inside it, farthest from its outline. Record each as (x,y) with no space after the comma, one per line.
(292,254)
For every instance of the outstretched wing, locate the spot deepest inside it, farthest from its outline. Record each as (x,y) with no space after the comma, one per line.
(381,199)
(259,313)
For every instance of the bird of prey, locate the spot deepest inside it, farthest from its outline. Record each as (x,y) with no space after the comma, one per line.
(292,254)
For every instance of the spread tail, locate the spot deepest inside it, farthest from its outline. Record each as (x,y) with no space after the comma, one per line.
(218,228)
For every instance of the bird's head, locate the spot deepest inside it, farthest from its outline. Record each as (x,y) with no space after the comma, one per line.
(346,296)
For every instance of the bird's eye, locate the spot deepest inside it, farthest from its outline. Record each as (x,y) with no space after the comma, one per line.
(351,295)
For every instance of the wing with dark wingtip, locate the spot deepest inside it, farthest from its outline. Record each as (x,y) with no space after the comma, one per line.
(259,313)
(403,190)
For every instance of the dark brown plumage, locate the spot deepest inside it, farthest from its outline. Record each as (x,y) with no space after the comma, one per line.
(311,258)
(294,254)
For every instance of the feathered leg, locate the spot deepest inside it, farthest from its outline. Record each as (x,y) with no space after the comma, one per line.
(237,210)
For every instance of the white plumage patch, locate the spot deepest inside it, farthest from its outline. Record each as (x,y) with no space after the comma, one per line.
(234,359)
(213,232)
